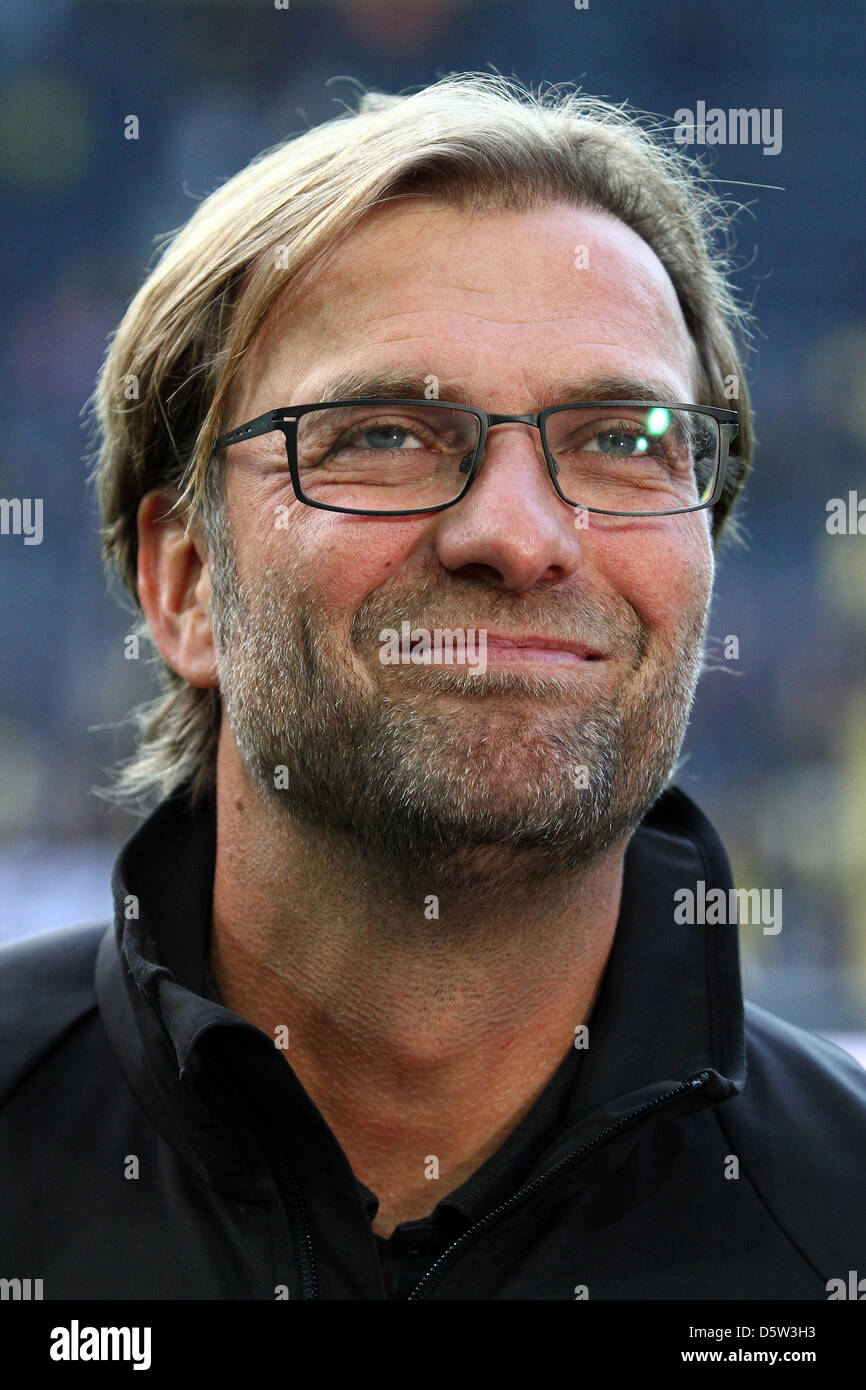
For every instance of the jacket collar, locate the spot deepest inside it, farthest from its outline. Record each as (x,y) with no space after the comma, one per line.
(670,1004)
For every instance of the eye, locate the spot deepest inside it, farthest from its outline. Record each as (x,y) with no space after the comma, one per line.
(379,437)
(622,442)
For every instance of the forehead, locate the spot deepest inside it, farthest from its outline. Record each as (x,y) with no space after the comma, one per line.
(508,304)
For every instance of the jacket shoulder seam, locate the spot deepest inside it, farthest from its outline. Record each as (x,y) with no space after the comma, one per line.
(78,1005)
(42,1056)
(757,1188)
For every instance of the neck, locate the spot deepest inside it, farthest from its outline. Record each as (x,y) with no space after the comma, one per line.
(421,1020)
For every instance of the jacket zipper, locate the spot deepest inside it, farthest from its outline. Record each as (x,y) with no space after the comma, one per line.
(447,1258)
(304,1246)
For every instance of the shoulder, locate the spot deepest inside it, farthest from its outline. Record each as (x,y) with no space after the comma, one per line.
(798,1128)
(801,1067)
(46,987)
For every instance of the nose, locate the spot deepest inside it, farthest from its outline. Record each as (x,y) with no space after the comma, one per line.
(511,529)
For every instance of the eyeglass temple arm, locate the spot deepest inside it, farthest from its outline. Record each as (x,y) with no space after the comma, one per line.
(728,430)
(263,424)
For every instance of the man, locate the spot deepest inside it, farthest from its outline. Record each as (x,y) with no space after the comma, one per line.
(398,1001)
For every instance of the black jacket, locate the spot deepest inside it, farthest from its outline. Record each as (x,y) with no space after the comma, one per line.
(155,1145)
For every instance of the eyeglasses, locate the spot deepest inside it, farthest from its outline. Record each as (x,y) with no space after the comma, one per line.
(386,456)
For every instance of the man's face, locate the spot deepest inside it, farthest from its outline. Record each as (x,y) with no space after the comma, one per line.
(545,750)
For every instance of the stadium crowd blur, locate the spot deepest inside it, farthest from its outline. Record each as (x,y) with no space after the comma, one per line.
(777,745)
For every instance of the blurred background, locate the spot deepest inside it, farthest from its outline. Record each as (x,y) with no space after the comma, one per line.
(777,745)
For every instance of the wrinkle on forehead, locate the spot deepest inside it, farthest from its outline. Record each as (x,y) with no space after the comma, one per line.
(419,274)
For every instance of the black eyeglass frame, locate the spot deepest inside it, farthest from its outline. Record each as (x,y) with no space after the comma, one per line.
(285,420)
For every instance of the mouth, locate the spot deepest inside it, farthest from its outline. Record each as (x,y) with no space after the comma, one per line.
(513,650)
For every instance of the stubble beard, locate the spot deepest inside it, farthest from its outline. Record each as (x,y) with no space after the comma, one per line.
(485,783)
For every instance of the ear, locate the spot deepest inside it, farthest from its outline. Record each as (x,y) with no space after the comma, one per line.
(174,587)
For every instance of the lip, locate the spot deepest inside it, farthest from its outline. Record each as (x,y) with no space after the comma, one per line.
(515,647)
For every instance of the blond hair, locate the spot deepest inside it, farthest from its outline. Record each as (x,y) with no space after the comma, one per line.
(474,140)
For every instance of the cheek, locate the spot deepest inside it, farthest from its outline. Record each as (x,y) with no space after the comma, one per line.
(665,572)
(337,560)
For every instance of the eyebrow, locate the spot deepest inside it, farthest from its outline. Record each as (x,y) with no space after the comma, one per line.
(413,385)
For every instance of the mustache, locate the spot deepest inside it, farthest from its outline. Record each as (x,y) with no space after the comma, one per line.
(603,622)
